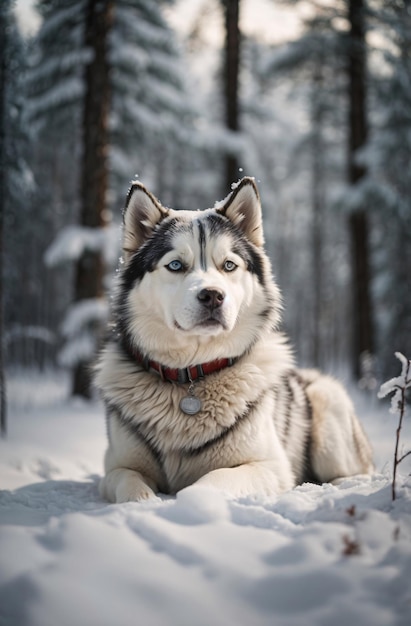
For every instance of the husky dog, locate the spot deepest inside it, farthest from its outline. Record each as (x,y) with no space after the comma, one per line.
(199,385)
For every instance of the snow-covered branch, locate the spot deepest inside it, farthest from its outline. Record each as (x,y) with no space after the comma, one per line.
(79,330)
(398,387)
(71,243)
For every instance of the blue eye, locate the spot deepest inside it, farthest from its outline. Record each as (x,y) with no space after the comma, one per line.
(229,266)
(175,266)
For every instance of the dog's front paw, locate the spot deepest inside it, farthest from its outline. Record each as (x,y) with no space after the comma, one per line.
(124,485)
(134,493)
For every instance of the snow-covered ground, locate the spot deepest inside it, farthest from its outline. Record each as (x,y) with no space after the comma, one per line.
(316,556)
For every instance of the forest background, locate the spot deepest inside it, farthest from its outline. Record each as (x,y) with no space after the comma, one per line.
(107,90)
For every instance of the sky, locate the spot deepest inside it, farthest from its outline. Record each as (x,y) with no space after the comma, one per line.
(27,17)
(265,19)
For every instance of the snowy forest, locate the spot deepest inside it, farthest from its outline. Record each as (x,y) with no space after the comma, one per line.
(188,97)
(108,90)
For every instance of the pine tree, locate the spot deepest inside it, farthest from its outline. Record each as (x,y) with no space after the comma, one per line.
(388,159)
(94,168)
(152,115)
(150,104)
(3,68)
(363,335)
(312,68)
(333,53)
(55,92)
(231,74)
(146,106)
(15,182)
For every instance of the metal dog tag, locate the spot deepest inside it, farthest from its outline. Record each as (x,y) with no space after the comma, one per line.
(190,405)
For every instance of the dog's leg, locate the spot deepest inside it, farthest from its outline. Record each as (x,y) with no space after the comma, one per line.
(124,485)
(259,477)
(339,445)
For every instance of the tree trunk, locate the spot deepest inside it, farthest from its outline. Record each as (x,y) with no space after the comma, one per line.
(94,172)
(318,202)
(3,68)
(231,82)
(363,341)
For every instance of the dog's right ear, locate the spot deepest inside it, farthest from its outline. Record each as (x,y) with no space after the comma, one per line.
(141,214)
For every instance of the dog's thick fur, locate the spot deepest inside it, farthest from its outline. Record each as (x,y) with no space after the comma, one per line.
(196,287)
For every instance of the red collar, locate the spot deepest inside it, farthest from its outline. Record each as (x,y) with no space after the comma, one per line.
(185,374)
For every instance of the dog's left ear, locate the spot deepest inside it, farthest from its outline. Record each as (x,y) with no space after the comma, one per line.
(141,214)
(243,208)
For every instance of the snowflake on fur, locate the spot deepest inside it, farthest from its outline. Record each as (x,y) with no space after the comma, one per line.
(397,385)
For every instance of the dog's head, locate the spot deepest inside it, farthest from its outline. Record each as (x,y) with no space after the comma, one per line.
(196,285)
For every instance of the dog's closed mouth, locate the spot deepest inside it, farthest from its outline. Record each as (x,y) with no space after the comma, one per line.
(210,322)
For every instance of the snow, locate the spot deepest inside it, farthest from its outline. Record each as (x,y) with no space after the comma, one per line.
(316,555)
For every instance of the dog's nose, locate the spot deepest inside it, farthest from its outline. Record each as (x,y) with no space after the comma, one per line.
(211,298)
